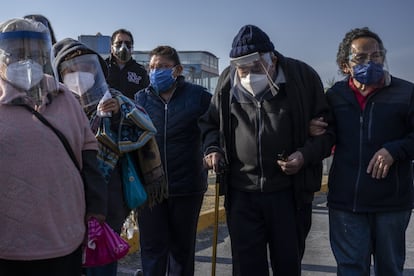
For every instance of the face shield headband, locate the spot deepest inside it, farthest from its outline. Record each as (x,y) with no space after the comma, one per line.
(84,76)
(253,73)
(24,45)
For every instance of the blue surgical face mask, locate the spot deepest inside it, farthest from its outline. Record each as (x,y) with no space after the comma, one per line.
(368,73)
(161,79)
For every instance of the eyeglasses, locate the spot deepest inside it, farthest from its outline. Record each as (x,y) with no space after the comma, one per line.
(361,58)
(126,42)
(161,66)
(251,63)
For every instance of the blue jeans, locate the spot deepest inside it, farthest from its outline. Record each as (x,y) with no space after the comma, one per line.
(356,236)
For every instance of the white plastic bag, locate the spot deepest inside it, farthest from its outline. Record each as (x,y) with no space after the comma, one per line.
(105,97)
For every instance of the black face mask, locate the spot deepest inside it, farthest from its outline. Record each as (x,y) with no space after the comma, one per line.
(123,53)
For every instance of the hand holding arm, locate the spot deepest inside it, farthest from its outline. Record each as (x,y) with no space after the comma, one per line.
(317,126)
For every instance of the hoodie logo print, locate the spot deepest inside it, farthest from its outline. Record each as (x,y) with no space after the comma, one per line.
(133,77)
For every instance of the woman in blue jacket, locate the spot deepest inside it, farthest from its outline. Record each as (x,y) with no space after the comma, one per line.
(168,230)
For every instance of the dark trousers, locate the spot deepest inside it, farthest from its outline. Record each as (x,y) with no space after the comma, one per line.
(259,222)
(168,235)
(69,265)
(304,216)
(103,270)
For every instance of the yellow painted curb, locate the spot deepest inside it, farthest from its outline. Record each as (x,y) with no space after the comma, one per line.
(133,242)
(205,220)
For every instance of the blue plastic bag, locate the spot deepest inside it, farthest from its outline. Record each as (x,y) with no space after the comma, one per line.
(134,192)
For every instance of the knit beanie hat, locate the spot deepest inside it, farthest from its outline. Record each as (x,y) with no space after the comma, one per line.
(250,39)
(69,48)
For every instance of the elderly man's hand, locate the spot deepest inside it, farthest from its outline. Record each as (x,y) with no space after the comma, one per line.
(380,164)
(292,164)
(214,161)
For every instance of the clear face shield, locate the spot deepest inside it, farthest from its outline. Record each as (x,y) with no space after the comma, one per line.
(83,75)
(253,72)
(25,58)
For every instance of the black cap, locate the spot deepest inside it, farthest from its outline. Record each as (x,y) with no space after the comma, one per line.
(250,39)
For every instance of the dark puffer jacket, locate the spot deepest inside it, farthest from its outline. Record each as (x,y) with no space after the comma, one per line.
(178,135)
(386,122)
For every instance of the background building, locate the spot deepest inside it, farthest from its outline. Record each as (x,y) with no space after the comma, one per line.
(99,43)
(200,67)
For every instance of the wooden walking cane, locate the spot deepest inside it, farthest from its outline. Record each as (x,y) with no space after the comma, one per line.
(215,231)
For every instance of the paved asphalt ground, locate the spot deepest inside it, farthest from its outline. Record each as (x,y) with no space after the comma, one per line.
(318,259)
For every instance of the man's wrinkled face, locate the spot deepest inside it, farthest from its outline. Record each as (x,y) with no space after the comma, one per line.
(364,50)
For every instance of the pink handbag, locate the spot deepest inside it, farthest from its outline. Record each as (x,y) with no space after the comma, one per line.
(103,246)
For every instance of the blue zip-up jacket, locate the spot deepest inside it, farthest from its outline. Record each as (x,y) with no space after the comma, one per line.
(178,136)
(386,122)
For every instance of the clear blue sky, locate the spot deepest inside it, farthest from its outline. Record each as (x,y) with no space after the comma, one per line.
(310,30)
